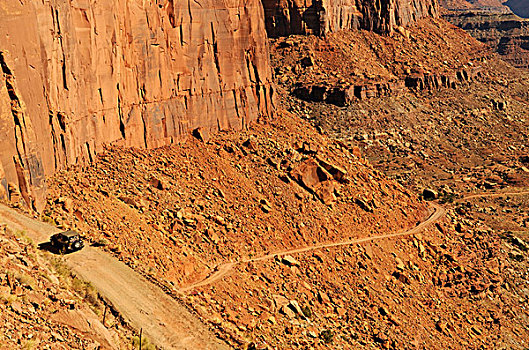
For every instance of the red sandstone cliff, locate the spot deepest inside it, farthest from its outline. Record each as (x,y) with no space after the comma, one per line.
(285,17)
(79,74)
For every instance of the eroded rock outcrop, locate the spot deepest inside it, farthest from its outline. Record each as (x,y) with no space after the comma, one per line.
(77,75)
(287,17)
(494,24)
(342,95)
(506,33)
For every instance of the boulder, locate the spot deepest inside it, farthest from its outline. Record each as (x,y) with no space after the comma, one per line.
(430,194)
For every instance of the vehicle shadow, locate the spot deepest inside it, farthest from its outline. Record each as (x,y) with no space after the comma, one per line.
(47,246)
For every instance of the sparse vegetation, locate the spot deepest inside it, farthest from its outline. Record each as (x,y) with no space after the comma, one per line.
(47,219)
(26,280)
(30,344)
(102,242)
(447,198)
(145,343)
(306,311)
(23,236)
(82,288)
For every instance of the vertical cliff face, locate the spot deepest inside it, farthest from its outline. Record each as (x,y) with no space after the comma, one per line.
(285,17)
(79,74)
(495,6)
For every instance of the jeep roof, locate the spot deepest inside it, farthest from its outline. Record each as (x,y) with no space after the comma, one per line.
(69,233)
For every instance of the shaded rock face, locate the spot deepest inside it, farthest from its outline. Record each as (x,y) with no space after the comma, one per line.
(76,75)
(286,17)
(343,95)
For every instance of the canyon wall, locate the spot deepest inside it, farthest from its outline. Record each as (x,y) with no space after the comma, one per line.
(495,6)
(505,33)
(79,74)
(285,17)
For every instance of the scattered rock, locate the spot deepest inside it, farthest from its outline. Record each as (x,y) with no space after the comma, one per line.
(202,134)
(400,264)
(289,260)
(430,194)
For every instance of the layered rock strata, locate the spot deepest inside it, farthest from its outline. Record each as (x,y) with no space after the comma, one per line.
(495,6)
(77,75)
(506,33)
(318,17)
(343,95)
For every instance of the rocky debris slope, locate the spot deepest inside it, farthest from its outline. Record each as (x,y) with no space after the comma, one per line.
(498,27)
(459,141)
(356,65)
(78,75)
(284,18)
(450,285)
(38,308)
(469,137)
(176,213)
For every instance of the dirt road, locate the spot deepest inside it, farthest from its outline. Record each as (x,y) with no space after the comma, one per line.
(164,321)
(224,269)
(491,195)
(439,212)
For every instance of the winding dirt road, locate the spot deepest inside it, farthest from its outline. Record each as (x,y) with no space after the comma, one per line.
(491,195)
(144,305)
(224,269)
(165,322)
(439,211)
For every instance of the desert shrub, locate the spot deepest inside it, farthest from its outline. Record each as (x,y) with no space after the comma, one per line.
(306,311)
(145,343)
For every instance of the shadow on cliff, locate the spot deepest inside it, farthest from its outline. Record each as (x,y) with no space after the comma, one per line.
(295,21)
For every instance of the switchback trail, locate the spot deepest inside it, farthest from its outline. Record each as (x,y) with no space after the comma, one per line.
(165,322)
(491,195)
(224,269)
(439,212)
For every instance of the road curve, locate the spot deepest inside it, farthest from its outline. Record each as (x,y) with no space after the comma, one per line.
(491,195)
(167,323)
(224,269)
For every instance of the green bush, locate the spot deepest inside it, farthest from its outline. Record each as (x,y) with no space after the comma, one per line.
(145,343)
(26,280)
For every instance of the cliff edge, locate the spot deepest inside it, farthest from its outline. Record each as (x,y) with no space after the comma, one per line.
(287,17)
